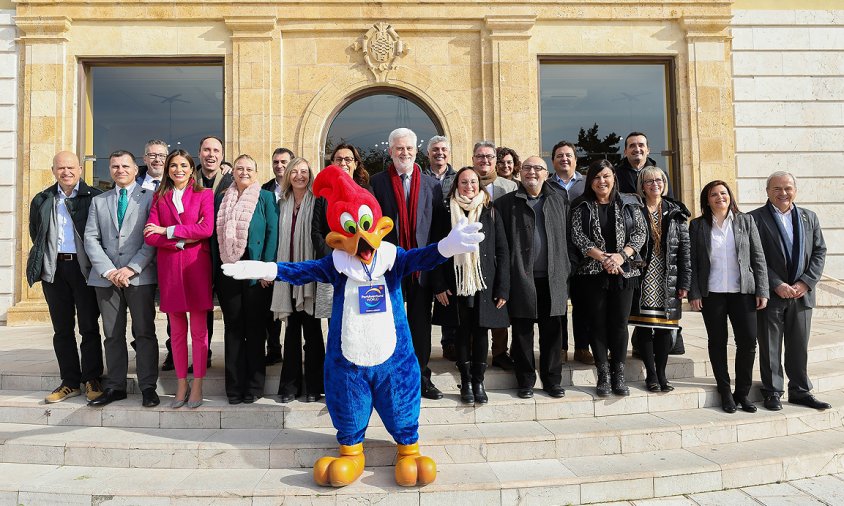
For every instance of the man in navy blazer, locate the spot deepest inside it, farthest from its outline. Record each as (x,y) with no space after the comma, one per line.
(396,189)
(795,252)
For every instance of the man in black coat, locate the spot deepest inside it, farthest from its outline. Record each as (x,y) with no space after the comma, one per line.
(397,189)
(57,218)
(535,222)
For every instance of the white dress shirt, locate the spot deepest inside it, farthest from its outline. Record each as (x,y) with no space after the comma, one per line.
(148,182)
(723,258)
(788,224)
(66,238)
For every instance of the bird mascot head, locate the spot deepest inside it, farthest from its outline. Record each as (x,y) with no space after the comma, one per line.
(353,214)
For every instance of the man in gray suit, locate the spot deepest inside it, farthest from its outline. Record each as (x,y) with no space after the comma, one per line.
(123,275)
(795,252)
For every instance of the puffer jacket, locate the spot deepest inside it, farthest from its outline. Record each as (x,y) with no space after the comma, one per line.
(677,250)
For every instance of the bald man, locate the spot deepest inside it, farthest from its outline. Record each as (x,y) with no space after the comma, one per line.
(57,219)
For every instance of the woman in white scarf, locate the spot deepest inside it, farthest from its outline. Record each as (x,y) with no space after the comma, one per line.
(471,289)
(297,303)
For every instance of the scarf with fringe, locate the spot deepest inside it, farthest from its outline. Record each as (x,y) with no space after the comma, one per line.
(467,266)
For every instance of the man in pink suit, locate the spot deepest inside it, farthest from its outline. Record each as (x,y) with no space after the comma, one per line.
(180,224)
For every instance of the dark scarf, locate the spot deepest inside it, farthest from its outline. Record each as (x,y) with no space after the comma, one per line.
(793,258)
(407,210)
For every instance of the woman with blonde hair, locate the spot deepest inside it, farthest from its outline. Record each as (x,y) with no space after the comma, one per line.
(301,305)
(247,229)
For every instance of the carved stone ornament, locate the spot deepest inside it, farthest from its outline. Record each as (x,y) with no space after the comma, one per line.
(381,46)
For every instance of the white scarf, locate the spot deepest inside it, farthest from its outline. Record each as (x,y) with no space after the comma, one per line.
(287,298)
(467,266)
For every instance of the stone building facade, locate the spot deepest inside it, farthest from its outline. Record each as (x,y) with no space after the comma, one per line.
(289,67)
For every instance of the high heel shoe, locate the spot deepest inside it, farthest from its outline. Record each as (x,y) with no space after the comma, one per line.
(178,403)
(194,404)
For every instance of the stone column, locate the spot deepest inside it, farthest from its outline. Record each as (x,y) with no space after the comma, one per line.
(45,127)
(252,76)
(709,113)
(511,104)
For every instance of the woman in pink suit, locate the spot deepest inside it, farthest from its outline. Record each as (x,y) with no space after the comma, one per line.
(180,224)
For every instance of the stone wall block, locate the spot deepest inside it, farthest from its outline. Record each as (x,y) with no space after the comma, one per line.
(300,50)
(827,37)
(780,38)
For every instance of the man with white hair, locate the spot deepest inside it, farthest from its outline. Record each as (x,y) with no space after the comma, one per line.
(795,252)
(414,201)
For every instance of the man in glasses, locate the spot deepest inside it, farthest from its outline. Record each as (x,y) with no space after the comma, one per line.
(155,153)
(483,161)
(534,219)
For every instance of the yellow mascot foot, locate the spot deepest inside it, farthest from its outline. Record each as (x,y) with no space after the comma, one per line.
(340,471)
(414,469)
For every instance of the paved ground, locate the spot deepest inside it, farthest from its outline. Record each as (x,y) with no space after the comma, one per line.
(811,491)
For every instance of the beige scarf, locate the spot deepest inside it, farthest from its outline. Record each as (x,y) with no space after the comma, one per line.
(467,266)
(288,298)
(233,220)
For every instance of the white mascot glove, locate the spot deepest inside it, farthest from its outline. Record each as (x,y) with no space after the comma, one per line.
(251,269)
(463,238)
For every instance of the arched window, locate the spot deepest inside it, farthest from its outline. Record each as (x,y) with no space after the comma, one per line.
(367,120)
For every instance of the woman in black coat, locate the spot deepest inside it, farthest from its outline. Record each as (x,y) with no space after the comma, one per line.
(657,301)
(471,289)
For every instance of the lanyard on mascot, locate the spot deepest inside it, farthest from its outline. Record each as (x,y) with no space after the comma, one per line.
(368,270)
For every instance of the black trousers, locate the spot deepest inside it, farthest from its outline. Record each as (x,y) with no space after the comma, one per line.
(608,313)
(579,320)
(550,342)
(300,324)
(784,329)
(471,340)
(70,299)
(740,308)
(419,300)
(273,335)
(244,316)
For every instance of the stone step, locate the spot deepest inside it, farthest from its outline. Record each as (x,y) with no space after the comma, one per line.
(448,443)
(573,480)
(36,370)
(268,413)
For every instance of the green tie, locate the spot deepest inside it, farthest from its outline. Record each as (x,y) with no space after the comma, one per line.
(122,204)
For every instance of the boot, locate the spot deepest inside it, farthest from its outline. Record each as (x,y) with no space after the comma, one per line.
(478,369)
(413,468)
(618,386)
(466,395)
(603,386)
(340,471)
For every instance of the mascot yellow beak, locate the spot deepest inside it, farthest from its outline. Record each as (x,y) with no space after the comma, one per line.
(362,244)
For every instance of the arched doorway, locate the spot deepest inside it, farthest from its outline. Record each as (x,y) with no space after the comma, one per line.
(367,119)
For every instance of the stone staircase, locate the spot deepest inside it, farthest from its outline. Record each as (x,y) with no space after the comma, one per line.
(579,449)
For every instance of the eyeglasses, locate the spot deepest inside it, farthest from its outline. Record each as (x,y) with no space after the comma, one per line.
(652,182)
(485,157)
(534,168)
(154,156)
(347,159)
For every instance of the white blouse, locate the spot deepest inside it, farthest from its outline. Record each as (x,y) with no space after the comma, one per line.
(723,258)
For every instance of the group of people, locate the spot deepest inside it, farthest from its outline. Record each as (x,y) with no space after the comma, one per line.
(613,241)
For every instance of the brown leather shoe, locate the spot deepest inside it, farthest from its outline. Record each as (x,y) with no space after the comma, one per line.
(584,356)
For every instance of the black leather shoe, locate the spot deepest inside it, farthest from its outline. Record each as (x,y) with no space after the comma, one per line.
(285,398)
(503,361)
(727,403)
(249,398)
(431,392)
(555,391)
(525,393)
(109,396)
(810,402)
(168,363)
(150,398)
(235,399)
(667,387)
(744,403)
(772,402)
(312,397)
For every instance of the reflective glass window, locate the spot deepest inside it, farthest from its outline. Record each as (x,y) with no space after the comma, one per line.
(366,123)
(178,103)
(595,105)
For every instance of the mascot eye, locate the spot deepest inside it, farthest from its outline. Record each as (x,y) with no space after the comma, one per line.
(348,223)
(365,217)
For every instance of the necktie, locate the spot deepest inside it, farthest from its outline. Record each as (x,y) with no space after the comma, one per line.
(122,204)
(406,185)
(155,183)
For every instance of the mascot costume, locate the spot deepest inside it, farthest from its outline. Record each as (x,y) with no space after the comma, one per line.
(369,361)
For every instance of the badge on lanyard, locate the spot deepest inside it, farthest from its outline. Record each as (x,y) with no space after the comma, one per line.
(372,299)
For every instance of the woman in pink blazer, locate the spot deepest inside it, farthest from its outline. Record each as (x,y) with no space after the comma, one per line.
(180,224)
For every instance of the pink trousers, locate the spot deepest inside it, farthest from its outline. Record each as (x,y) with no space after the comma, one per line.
(199,342)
